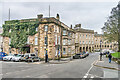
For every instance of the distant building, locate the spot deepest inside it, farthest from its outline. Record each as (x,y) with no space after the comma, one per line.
(105,44)
(84,39)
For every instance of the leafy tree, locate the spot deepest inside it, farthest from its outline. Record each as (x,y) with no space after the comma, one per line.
(112,26)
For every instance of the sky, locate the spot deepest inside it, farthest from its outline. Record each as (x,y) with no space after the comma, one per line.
(90,14)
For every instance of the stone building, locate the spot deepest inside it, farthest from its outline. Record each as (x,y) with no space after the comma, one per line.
(52,36)
(105,44)
(84,39)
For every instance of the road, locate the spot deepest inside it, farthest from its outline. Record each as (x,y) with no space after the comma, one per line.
(78,68)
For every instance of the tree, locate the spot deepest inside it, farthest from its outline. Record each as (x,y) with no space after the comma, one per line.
(111,27)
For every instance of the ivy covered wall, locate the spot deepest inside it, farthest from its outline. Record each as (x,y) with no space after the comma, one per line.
(18,32)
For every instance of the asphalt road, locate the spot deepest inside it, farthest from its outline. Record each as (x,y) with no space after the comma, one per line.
(78,68)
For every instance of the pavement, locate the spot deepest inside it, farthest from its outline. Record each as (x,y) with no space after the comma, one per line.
(110,70)
(105,64)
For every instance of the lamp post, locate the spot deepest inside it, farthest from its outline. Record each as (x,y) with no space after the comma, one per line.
(46,42)
(100,50)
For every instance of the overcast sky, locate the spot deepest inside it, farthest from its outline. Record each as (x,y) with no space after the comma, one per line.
(91,15)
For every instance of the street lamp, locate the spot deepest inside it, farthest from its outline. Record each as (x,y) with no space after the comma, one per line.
(46,42)
(100,50)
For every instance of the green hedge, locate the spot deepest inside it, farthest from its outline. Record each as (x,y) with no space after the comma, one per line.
(116,55)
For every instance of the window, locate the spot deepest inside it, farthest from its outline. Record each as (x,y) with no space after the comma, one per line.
(83,35)
(56,52)
(36,29)
(89,42)
(59,40)
(83,42)
(69,49)
(9,41)
(45,40)
(64,32)
(56,40)
(80,42)
(86,35)
(28,40)
(89,36)
(57,29)
(64,51)
(69,34)
(46,27)
(92,42)
(64,42)
(86,42)
(36,40)
(80,35)
(69,41)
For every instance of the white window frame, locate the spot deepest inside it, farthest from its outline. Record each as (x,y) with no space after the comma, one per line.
(36,40)
(64,32)
(80,42)
(45,28)
(59,40)
(64,42)
(55,39)
(36,29)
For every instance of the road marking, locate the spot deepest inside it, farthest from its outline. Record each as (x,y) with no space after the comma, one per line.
(27,76)
(85,77)
(92,77)
(88,70)
(8,73)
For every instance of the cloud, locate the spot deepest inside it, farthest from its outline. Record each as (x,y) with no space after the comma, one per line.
(91,15)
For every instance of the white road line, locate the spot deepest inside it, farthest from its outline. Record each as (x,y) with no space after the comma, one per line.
(92,77)
(8,73)
(89,70)
(85,77)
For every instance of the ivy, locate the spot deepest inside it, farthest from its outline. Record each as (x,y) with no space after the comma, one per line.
(19,33)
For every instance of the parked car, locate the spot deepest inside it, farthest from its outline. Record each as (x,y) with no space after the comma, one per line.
(22,58)
(16,57)
(33,59)
(29,57)
(2,54)
(8,58)
(78,56)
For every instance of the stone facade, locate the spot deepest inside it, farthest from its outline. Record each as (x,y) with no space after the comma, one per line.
(84,39)
(104,44)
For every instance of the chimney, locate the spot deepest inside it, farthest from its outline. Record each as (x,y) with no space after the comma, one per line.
(40,16)
(95,33)
(57,17)
(71,26)
(77,26)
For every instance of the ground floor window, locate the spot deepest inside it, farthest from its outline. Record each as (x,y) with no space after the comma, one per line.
(64,51)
